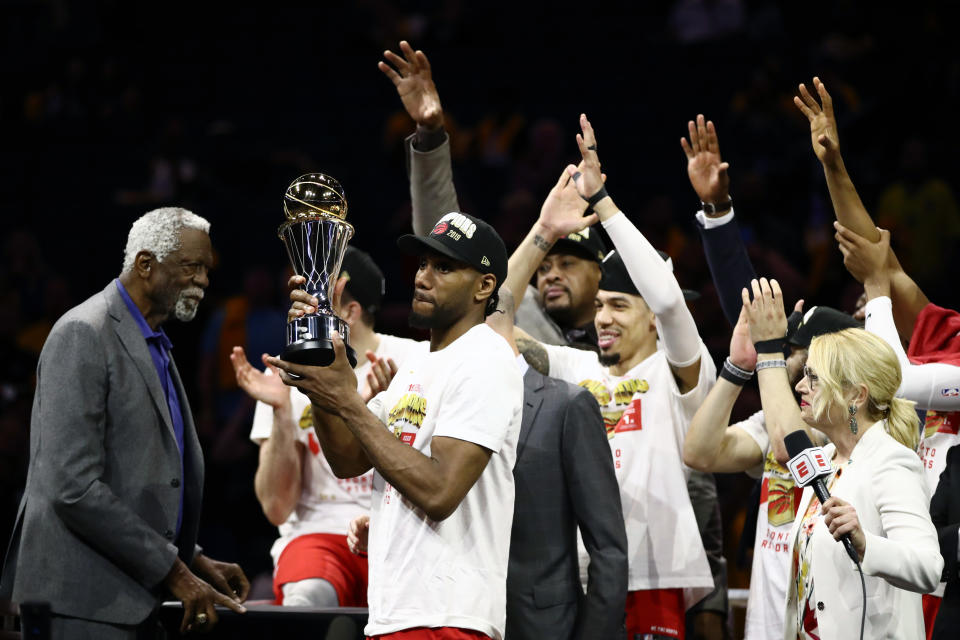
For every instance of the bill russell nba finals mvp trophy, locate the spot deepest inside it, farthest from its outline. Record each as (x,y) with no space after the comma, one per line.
(316,233)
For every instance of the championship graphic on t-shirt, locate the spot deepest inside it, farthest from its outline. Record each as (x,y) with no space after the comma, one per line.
(646,418)
(406,416)
(450,572)
(622,411)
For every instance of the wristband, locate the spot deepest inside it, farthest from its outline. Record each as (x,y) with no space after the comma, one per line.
(774,345)
(732,373)
(772,364)
(598,196)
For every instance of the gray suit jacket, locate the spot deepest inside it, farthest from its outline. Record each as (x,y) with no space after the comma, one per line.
(95,530)
(564,477)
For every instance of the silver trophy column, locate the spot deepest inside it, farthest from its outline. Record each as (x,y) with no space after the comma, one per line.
(316,234)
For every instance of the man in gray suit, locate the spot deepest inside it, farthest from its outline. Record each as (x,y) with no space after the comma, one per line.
(564,478)
(108,522)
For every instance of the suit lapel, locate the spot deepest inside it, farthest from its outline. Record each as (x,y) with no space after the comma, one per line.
(133,341)
(532,399)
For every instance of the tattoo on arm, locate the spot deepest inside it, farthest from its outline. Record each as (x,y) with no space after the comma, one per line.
(541,243)
(535,355)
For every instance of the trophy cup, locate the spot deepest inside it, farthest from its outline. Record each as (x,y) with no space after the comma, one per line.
(316,234)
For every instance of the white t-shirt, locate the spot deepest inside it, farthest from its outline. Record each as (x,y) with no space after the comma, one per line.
(770,573)
(647,418)
(451,573)
(327,504)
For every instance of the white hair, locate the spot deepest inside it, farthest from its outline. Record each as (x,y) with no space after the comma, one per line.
(158,232)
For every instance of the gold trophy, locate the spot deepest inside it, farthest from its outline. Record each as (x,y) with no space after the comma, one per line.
(316,233)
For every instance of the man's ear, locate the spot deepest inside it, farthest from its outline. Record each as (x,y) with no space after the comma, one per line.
(144,263)
(486,285)
(351,312)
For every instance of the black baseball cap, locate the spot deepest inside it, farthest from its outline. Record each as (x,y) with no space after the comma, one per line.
(365,281)
(816,322)
(586,243)
(464,238)
(616,278)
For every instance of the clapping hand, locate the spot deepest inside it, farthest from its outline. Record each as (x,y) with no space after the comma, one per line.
(765,312)
(742,353)
(358,534)
(258,384)
(707,172)
(378,379)
(414,82)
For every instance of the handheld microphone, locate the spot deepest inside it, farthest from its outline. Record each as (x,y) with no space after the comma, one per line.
(809,466)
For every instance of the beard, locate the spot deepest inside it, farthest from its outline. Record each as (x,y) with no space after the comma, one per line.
(188,301)
(609,359)
(441,318)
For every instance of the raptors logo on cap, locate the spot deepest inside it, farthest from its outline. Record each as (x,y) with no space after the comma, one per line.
(439,229)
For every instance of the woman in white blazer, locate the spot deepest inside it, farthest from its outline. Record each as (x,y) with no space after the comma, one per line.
(878,496)
(878,493)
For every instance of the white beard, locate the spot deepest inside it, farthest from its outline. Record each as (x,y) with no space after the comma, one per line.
(186,307)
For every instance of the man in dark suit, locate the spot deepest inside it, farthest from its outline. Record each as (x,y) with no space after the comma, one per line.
(945,513)
(564,479)
(108,522)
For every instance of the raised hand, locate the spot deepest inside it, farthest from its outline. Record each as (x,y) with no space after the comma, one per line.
(707,172)
(823,124)
(765,312)
(742,352)
(587,176)
(562,211)
(414,82)
(257,384)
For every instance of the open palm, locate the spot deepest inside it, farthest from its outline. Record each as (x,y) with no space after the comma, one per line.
(257,384)
(414,82)
(823,123)
(705,168)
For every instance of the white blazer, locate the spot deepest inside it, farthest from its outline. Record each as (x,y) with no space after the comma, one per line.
(884,482)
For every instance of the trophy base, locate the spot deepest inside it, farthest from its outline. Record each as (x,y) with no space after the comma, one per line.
(310,340)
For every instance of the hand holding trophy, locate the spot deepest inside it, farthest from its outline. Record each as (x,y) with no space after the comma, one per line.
(316,233)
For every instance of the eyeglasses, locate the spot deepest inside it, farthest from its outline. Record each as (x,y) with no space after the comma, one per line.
(811,377)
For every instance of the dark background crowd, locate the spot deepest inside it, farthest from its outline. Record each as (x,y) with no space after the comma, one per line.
(109,109)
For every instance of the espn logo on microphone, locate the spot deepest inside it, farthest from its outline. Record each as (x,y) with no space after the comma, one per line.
(807,465)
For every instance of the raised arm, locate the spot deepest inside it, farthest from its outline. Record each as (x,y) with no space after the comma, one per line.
(427,151)
(768,324)
(712,444)
(277,482)
(562,213)
(727,258)
(826,145)
(651,275)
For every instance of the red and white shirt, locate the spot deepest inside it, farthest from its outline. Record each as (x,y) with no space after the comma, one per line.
(647,419)
(327,504)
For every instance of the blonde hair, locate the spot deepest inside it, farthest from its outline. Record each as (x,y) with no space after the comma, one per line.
(854,356)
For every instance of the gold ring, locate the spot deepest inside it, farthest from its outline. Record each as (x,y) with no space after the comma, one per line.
(201,619)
